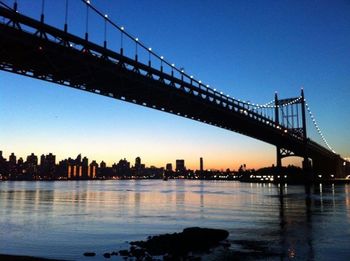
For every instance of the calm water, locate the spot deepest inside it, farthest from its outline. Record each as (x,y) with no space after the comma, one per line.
(65,219)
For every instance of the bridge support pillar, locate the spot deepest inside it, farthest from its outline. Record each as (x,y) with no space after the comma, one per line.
(278,157)
(306,164)
(330,167)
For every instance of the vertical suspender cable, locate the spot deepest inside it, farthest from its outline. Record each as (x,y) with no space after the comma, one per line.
(87,22)
(298,122)
(136,48)
(292,116)
(66,17)
(149,56)
(105,32)
(42,11)
(121,41)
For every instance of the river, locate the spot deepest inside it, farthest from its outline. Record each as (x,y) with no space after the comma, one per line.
(64,219)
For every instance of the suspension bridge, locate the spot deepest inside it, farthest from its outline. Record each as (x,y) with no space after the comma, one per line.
(33,48)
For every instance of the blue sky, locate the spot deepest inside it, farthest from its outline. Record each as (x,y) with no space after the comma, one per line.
(248,49)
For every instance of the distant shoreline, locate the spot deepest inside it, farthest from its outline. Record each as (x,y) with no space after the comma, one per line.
(243,180)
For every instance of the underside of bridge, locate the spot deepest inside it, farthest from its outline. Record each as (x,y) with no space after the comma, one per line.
(101,71)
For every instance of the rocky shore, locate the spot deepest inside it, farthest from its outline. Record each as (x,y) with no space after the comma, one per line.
(190,244)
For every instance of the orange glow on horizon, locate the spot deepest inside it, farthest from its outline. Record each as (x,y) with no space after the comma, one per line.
(230,161)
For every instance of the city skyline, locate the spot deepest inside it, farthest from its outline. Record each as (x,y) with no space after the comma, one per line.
(40,158)
(47,167)
(41,117)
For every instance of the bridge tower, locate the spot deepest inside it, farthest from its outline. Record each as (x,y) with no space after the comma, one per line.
(306,164)
(290,113)
(278,148)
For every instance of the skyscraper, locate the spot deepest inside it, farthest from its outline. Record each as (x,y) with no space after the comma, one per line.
(180,165)
(12,164)
(13,159)
(138,163)
(32,166)
(85,166)
(169,167)
(93,169)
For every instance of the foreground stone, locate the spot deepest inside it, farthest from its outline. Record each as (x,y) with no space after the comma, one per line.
(177,245)
(107,255)
(124,252)
(89,254)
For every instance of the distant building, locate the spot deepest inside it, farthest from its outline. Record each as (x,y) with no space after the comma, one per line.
(20,161)
(62,169)
(51,159)
(180,165)
(139,168)
(93,169)
(85,168)
(169,167)
(122,168)
(154,172)
(32,159)
(48,166)
(12,164)
(42,160)
(103,165)
(201,164)
(75,169)
(138,163)
(3,166)
(78,159)
(31,166)
(13,159)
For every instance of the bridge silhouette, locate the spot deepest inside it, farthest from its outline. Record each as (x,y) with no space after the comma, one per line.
(33,48)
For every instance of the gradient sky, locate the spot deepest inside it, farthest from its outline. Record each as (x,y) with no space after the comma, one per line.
(248,49)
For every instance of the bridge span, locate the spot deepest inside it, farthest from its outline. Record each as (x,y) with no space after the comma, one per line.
(35,49)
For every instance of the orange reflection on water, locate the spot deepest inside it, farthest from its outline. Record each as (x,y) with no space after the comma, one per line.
(347,200)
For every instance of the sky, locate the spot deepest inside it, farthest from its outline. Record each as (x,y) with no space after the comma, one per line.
(247,49)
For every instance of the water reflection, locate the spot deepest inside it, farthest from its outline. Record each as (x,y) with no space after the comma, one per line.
(282,222)
(311,224)
(296,235)
(347,202)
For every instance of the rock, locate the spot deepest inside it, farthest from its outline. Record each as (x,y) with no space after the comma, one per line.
(124,252)
(107,255)
(137,252)
(89,254)
(147,258)
(178,245)
(205,235)
(114,253)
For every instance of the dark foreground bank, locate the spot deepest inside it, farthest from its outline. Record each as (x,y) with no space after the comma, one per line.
(190,244)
